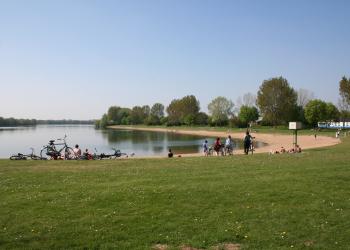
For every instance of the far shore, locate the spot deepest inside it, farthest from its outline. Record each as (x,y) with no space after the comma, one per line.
(274,141)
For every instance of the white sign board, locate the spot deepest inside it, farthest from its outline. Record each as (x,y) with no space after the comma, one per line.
(295,125)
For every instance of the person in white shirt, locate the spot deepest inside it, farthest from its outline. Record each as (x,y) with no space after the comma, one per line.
(77,151)
(229,145)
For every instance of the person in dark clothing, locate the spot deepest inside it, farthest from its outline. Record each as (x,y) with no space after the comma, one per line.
(218,147)
(170,154)
(247,142)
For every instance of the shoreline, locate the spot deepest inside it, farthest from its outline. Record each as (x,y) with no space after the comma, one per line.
(273,141)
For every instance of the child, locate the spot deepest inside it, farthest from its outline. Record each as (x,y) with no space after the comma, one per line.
(205,148)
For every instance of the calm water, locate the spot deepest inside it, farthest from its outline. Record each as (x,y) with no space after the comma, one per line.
(142,143)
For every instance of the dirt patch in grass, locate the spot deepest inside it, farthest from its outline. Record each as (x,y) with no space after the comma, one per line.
(189,248)
(224,246)
(309,243)
(160,247)
(227,246)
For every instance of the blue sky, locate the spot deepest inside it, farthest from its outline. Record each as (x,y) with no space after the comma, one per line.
(74,59)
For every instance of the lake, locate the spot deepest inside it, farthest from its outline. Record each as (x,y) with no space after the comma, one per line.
(15,140)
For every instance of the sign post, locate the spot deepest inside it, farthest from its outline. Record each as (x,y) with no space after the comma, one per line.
(295,126)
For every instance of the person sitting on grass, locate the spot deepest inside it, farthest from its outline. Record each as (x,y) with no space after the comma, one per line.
(170,154)
(283,150)
(87,155)
(77,151)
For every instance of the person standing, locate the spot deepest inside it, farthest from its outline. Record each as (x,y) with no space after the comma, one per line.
(247,142)
(218,146)
(205,148)
(229,145)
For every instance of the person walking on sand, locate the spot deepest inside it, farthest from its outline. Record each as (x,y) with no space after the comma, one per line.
(247,142)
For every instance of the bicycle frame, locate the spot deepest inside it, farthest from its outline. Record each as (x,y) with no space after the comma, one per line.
(55,153)
(116,154)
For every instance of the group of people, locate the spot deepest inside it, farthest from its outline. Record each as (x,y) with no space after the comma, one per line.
(296,149)
(227,148)
(78,154)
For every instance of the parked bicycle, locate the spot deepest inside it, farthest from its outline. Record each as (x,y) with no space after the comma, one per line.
(50,150)
(32,156)
(117,153)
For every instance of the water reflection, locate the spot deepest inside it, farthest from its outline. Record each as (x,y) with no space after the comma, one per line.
(14,129)
(20,139)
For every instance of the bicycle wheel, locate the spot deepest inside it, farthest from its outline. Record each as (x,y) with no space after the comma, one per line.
(18,157)
(44,152)
(48,152)
(69,154)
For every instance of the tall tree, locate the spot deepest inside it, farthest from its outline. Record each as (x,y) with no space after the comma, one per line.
(183,111)
(320,111)
(146,111)
(156,114)
(304,96)
(249,100)
(190,109)
(344,89)
(137,115)
(174,112)
(202,119)
(277,101)
(220,110)
(113,114)
(124,116)
(104,121)
(332,112)
(157,110)
(248,114)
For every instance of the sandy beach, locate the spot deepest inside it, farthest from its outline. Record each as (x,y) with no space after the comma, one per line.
(273,141)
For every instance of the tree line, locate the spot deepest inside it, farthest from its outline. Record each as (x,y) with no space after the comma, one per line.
(276,103)
(7,122)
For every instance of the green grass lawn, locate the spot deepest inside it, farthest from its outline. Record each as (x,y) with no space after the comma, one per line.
(259,201)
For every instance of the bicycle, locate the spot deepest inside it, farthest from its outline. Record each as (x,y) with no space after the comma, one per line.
(252,147)
(32,156)
(117,153)
(66,152)
(228,150)
(219,149)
